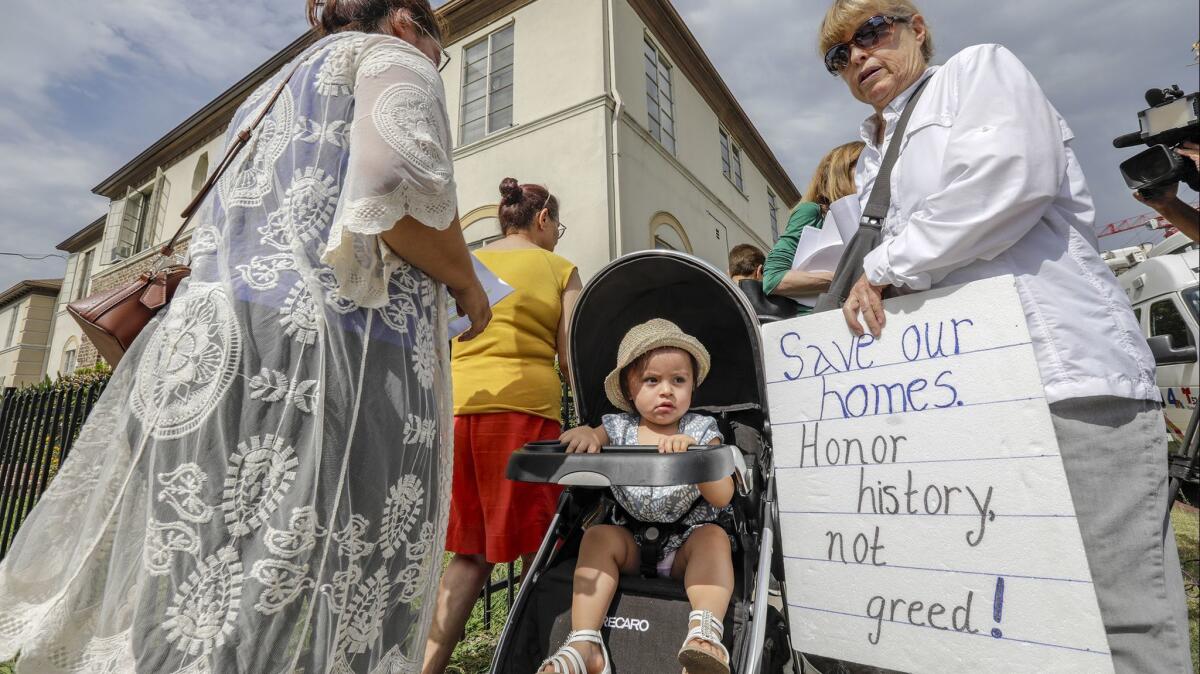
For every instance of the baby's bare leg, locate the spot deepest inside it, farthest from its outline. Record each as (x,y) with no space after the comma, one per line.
(606,552)
(705,564)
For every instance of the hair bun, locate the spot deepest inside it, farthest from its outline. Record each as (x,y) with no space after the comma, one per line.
(510,192)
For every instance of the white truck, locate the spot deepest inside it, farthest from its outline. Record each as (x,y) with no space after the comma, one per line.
(1166,300)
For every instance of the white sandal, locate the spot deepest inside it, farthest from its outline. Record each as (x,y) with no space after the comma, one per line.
(567,660)
(699,661)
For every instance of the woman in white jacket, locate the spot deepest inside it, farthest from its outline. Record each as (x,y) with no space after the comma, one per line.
(986,185)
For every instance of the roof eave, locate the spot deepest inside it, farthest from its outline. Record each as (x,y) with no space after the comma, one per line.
(20,289)
(85,237)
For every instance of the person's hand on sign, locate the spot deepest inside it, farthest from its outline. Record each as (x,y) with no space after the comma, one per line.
(865,298)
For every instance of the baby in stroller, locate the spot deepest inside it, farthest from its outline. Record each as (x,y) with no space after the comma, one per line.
(658,368)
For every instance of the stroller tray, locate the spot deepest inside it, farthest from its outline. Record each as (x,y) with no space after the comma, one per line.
(627,466)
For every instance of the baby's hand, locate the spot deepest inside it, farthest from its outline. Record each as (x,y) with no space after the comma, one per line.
(675,443)
(581,440)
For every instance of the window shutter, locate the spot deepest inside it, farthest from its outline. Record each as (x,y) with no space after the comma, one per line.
(83,275)
(68,287)
(158,209)
(112,229)
(127,232)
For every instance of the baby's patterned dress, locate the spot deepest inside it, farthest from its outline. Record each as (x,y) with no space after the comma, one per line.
(682,504)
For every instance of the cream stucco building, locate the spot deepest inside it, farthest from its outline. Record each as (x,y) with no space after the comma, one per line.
(26,310)
(611,104)
(66,338)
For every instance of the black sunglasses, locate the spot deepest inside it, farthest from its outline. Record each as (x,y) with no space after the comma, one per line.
(867,36)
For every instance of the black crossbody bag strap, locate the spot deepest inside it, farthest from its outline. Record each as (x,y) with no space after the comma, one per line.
(870,225)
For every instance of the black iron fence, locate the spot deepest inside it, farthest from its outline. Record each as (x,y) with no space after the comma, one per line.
(507,583)
(38,425)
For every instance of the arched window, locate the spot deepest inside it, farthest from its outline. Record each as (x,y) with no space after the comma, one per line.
(200,174)
(481,226)
(667,233)
(70,357)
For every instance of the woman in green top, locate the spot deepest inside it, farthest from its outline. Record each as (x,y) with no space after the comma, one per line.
(833,179)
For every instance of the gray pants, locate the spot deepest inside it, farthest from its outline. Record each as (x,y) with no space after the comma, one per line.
(1115,454)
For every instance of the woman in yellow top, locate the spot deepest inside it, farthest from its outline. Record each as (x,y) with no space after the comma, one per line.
(506,393)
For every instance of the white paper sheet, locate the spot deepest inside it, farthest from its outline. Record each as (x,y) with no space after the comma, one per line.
(818,250)
(493,285)
(845,212)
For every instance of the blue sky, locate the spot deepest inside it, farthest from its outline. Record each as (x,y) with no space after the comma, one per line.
(91,83)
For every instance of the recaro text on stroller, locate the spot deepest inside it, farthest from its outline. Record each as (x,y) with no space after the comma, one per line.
(648,617)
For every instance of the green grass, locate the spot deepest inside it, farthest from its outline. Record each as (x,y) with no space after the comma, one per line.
(473,655)
(1186,521)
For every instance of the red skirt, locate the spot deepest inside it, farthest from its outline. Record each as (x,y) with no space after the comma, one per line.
(491,515)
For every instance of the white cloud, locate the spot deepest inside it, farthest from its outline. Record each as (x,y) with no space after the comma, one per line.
(1094,60)
(90,83)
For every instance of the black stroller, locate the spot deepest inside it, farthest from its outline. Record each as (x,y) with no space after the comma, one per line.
(648,617)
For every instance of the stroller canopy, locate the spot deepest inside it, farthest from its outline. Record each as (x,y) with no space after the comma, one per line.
(680,288)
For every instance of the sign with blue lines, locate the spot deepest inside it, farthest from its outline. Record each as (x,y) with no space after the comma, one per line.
(926,520)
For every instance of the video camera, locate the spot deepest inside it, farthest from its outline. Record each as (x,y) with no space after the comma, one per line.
(1171,119)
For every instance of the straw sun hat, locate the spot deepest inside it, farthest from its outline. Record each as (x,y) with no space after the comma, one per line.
(653,334)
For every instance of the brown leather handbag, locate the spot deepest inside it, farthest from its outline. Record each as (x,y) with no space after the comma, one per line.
(113,318)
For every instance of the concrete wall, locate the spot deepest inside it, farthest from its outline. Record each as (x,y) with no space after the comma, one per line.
(65,332)
(566,153)
(559,125)
(558,61)
(688,185)
(21,361)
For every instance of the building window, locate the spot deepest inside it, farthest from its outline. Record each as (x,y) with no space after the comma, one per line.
(1165,319)
(731,161)
(69,360)
(487,92)
(200,174)
(773,208)
(83,273)
(12,326)
(660,98)
(481,226)
(667,233)
(133,222)
(476,245)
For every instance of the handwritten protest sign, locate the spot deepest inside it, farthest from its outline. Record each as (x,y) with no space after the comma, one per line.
(926,521)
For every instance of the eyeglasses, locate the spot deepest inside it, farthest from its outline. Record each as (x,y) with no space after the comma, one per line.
(444,58)
(562,229)
(868,35)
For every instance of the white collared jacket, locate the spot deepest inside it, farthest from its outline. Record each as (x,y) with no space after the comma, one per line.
(987,184)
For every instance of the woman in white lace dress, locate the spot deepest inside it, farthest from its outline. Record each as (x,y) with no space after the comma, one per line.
(264,486)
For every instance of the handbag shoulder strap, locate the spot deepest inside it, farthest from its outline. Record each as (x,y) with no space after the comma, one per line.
(881,194)
(238,143)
